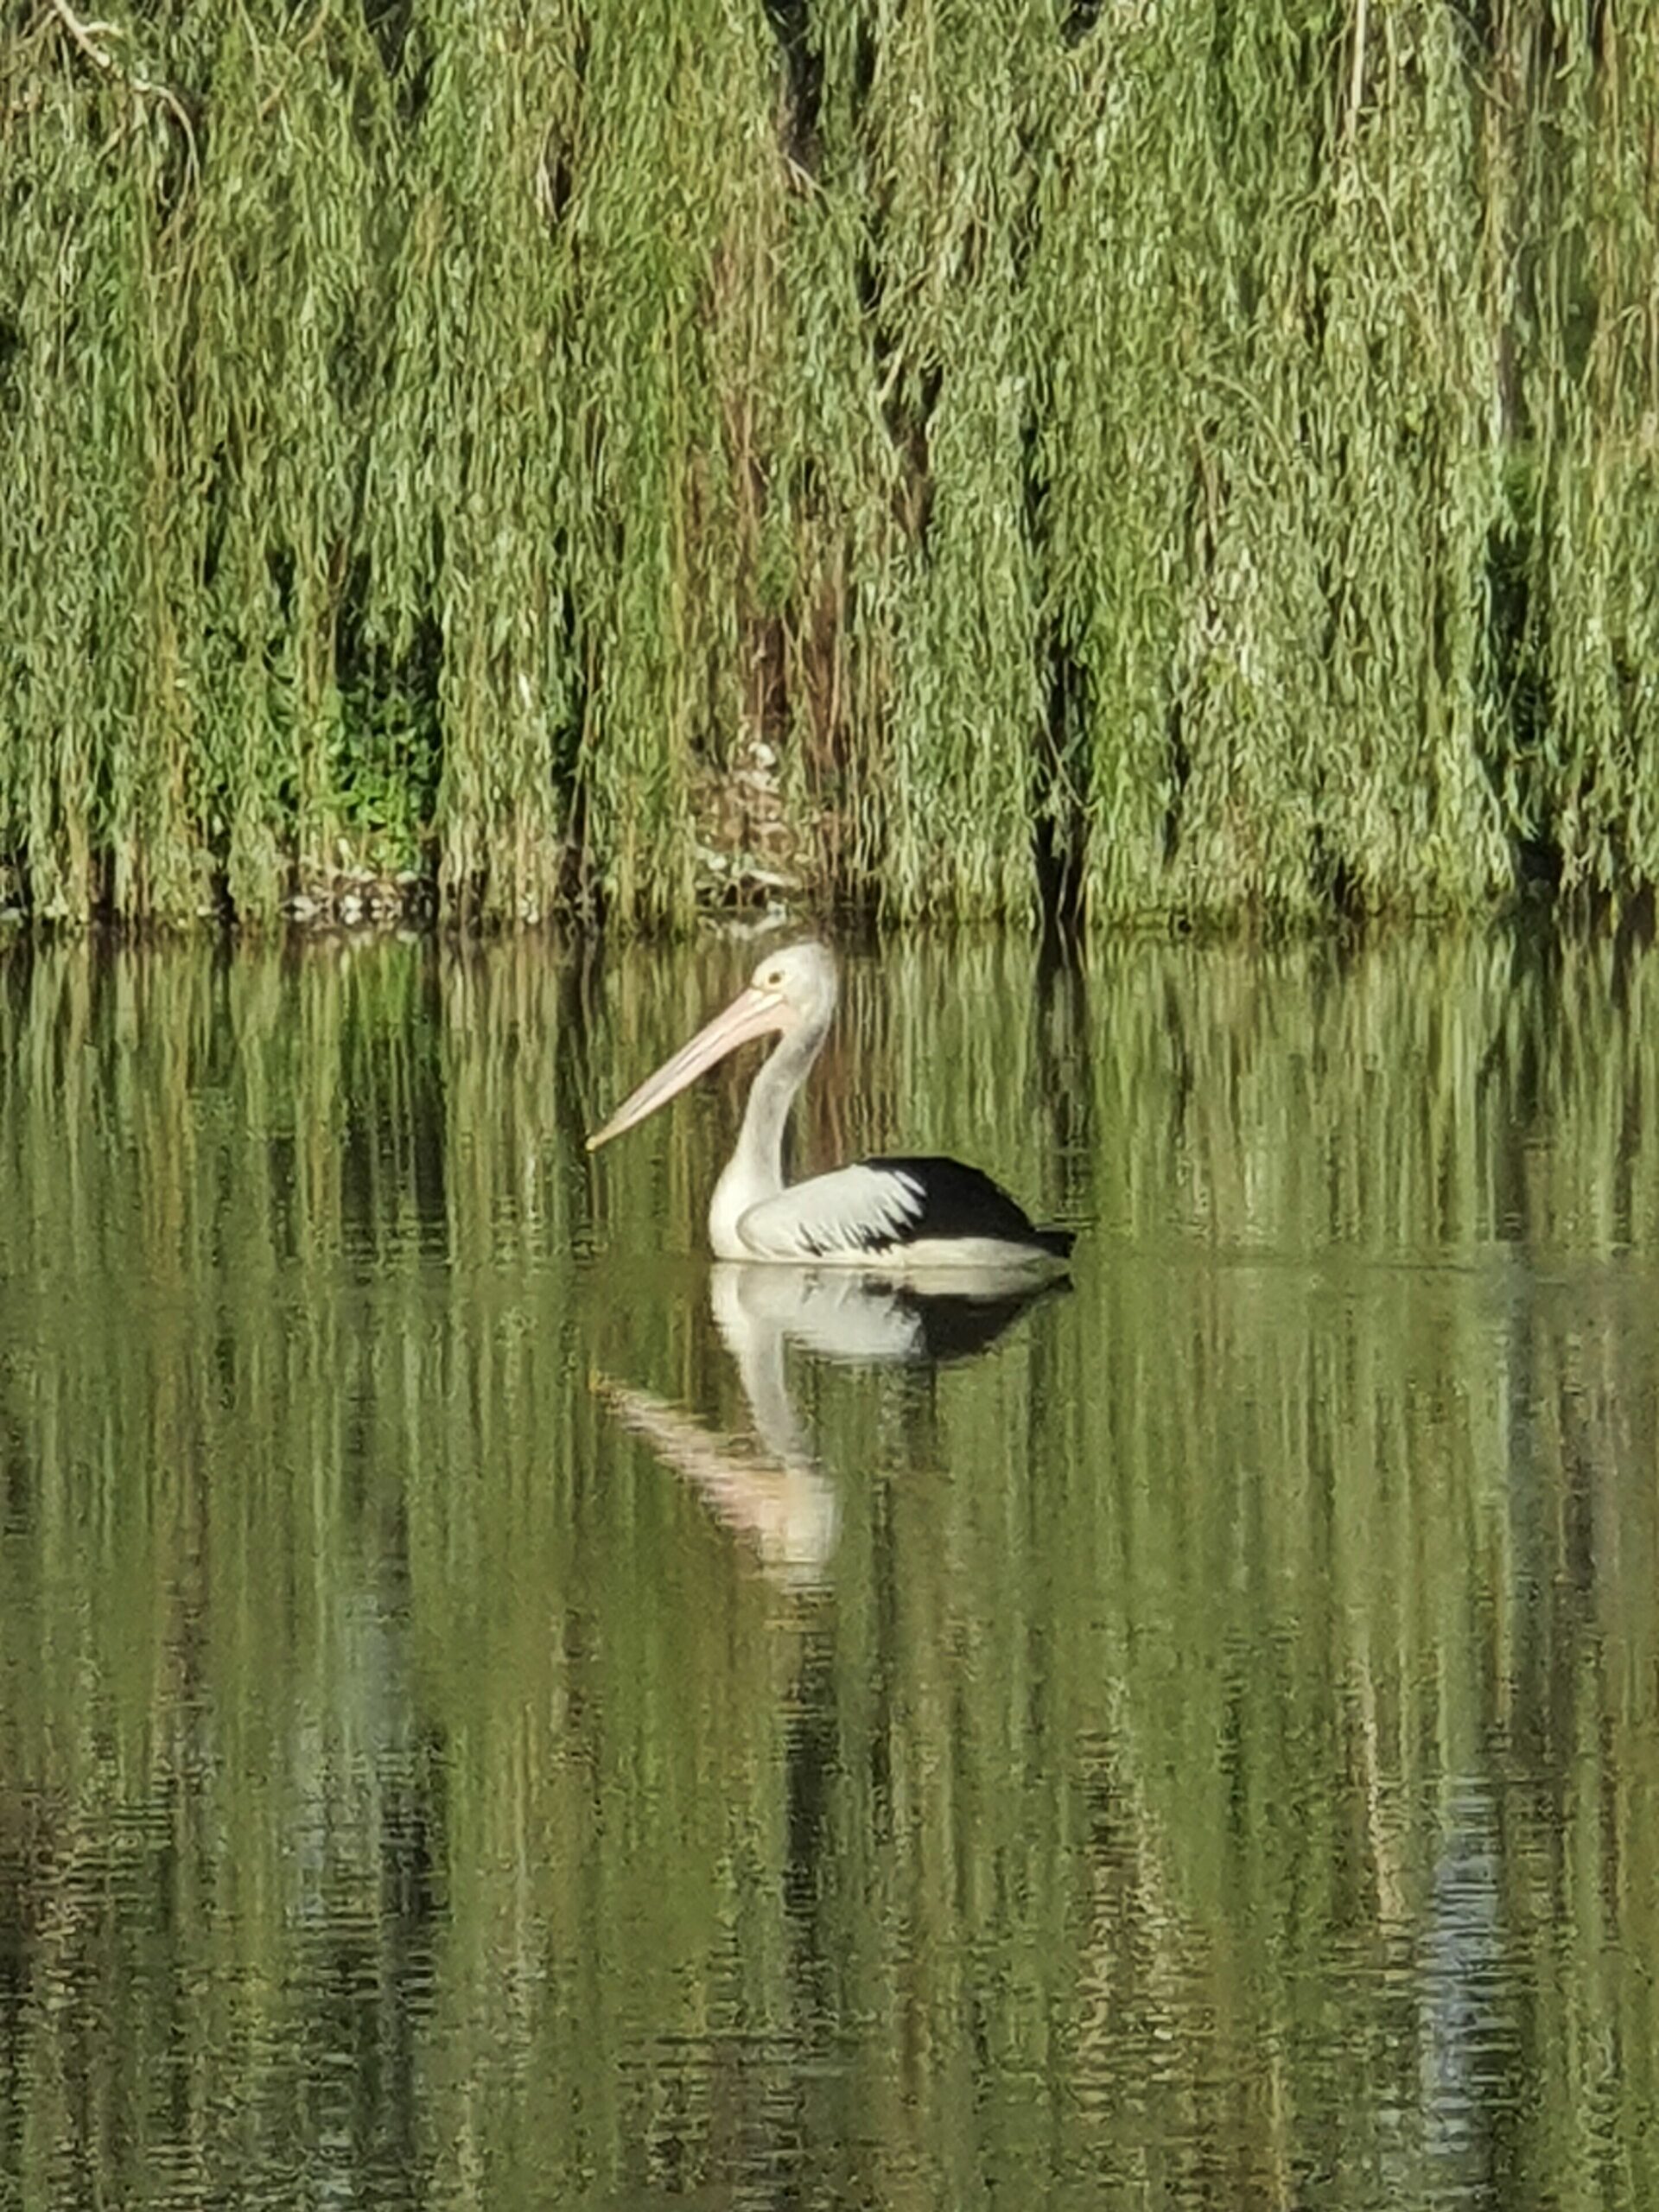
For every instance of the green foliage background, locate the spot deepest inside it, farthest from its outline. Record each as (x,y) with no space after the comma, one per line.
(1176,457)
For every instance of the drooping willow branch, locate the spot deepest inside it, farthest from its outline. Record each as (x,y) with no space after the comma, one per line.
(87,36)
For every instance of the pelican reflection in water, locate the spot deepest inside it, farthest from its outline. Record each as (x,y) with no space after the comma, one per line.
(911,1217)
(770,1485)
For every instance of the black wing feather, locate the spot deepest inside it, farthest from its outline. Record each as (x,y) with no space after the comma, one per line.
(961,1201)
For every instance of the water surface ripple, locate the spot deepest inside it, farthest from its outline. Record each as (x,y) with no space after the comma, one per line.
(495,1711)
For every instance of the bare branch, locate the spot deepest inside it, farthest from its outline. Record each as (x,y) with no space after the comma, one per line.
(1357,72)
(87,36)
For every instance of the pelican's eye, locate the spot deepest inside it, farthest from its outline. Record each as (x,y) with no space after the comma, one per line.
(775,980)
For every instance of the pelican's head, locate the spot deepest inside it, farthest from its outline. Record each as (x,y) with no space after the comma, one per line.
(800,980)
(792,989)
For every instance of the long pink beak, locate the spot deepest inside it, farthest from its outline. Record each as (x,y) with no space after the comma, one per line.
(753,1012)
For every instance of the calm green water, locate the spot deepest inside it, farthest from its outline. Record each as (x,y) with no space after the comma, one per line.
(491,1713)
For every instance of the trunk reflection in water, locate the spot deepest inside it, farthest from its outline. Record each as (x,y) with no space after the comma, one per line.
(1200,1748)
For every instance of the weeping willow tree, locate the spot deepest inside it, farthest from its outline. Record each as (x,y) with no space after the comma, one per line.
(1164,458)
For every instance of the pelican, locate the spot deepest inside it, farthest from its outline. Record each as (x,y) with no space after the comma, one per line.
(912,1218)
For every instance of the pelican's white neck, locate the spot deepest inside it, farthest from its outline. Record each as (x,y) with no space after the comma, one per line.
(755,1170)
